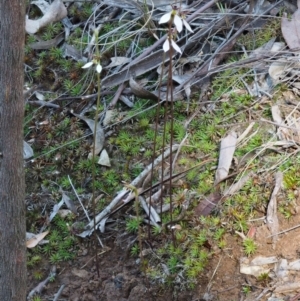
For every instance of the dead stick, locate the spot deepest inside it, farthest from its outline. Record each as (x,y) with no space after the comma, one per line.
(117,95)
(57,295)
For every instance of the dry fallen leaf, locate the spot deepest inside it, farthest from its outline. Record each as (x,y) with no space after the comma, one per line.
(208,204)
(104,159)
(118,60)
(33,241)
(100,137)
(291,28)
(27,150)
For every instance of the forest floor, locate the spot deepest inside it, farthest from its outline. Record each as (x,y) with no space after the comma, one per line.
(228,207)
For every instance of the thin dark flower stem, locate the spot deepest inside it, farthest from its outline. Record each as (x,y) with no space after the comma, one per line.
(154,142)
(94,156)
(170,92)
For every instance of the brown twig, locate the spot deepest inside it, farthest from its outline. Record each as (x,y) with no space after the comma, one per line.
(117,95)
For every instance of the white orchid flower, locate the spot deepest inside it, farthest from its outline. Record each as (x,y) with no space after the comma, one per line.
(87,65)
(165,18)
(93,62)
(98,68)
(179,21)
(166,46)
(187,25)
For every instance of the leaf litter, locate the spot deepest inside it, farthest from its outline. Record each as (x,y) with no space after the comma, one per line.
(275,67)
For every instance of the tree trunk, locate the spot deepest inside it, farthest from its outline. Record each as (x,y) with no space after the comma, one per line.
(12,187)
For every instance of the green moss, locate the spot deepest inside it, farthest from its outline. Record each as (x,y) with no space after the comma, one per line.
(249,246)
(132,224)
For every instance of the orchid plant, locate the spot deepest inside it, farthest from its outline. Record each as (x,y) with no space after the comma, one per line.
(177,19)
(94,62)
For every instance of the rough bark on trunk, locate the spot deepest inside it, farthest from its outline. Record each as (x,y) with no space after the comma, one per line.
(12,207)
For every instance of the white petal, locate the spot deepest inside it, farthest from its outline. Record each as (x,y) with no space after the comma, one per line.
(166,45)
(98,68)
(178,23)
(175,46)
(165,18)
(187,25)
(87,65)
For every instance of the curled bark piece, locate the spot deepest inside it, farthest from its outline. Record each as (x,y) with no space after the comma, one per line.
(227,149)
(55,12)
(272,219)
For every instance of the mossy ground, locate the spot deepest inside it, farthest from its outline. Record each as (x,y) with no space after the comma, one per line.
(62,143)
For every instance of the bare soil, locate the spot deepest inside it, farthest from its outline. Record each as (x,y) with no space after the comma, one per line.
(120,276)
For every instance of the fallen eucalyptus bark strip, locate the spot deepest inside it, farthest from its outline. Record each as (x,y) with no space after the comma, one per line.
(272,219)
(42,103)
(147,207)
(100,135)
(54,12)
(245,133)
(165,208)
(117,95)
(238,185)
(128,5)
(154,197)
(126,101)
(140,91)
(227,149)
(124,192)
(57,295)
